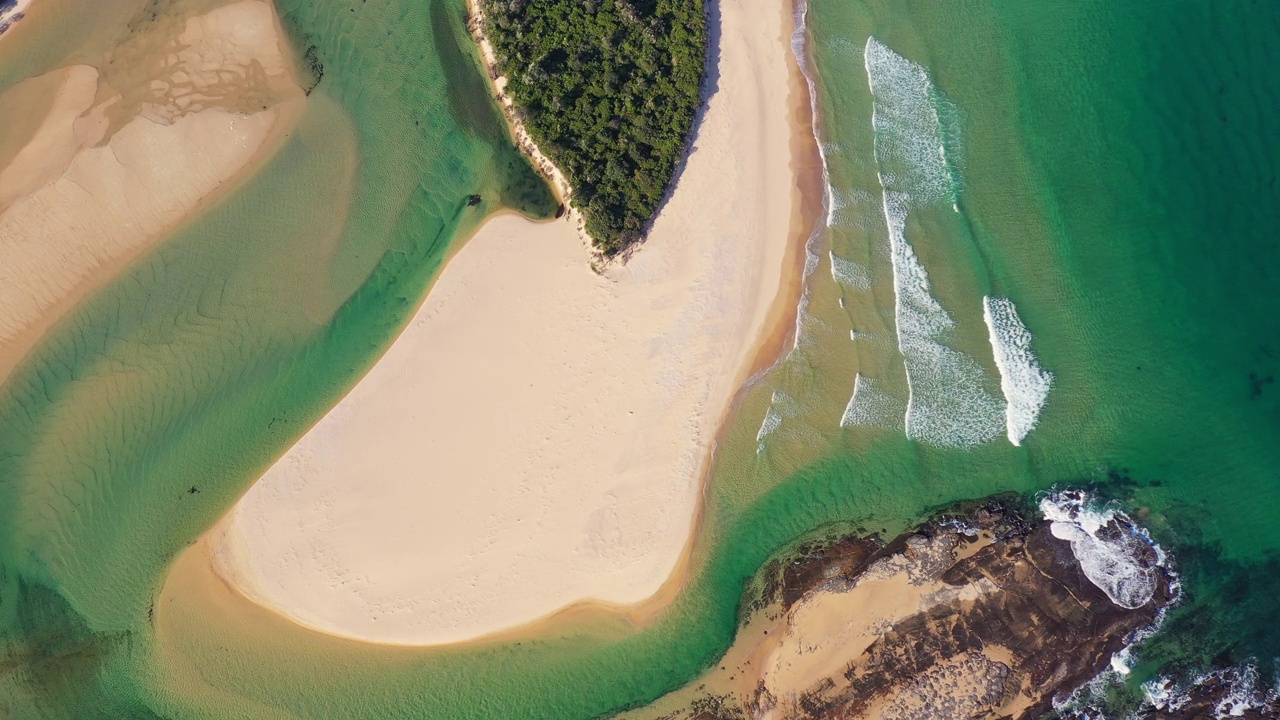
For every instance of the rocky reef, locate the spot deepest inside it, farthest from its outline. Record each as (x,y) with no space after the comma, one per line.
(1226,693)
(987,613)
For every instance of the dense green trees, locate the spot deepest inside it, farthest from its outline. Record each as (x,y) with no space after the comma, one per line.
(608,89)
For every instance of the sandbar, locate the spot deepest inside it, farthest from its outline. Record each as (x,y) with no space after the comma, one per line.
(539,433)
(126,149)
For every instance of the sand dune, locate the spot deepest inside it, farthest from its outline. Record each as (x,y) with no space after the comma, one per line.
(538,434)
(127,150)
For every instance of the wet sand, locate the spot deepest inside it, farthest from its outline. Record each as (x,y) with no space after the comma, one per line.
(120,152)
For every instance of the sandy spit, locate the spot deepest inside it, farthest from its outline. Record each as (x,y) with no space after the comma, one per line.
(539,434)
(126,150)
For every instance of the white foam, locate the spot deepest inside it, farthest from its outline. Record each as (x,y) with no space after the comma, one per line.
(834,206)
(810,260)
(1108,545)
(849,273)
(1024,384)
(848,207)
(869,405)
(780,405)
(798,39)
(784,403)
(1163,693)
(1244,695)
(1122,662)
(909,135)
(948,404)
(802,315)
(772,419)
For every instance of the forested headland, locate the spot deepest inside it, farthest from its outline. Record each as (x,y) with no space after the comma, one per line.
(608,89)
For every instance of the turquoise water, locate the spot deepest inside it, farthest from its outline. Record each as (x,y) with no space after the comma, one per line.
(1116,176)
(1109,167)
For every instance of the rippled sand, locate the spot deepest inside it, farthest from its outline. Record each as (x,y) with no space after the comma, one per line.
(129,147)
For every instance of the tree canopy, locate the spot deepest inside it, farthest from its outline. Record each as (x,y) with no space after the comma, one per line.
(608,89)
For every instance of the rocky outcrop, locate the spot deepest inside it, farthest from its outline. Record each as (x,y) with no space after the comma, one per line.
(1229,693)
(986,615)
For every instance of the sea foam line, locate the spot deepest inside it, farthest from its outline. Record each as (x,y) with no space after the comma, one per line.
(780,406)
(869,405)
(1245,694)
(947,404)
(772,419)
(798,49)
(1024,384)
(849,272)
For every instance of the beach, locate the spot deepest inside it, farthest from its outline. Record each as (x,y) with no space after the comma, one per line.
(538,435)
(127,149)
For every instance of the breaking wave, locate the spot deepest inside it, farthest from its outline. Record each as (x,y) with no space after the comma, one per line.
(869,405)
(1115,554)
(780,405)
(849,273)
(948,403)
(772,419)
(1024,383)
(1231,691)
(909,144)
(829,201)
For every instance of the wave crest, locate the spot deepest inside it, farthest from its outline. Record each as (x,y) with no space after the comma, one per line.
(1024,383)
(948,403)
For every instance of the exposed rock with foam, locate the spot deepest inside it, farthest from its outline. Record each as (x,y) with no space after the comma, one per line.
(977,615)
(1114,553)
(1220,694)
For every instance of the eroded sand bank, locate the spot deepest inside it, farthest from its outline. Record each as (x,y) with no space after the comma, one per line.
(538,434)
(122,151)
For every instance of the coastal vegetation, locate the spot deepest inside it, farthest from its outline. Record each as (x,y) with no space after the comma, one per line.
(608,89)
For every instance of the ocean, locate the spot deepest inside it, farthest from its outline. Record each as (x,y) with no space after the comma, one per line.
(1047,261)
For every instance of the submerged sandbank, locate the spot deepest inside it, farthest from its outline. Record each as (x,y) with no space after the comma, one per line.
(538,434)
(129,147)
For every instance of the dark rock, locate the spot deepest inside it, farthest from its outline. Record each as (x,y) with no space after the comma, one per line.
(1010,624)
(1232,692)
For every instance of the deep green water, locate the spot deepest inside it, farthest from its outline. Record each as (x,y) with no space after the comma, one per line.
(1117,175)
(1116,170)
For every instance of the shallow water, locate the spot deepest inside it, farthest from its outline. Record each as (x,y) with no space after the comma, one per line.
(1108,169)
(1120,194)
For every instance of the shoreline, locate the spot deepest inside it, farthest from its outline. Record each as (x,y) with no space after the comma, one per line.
(519,133)
(817,611)
(634,472)
(772,345)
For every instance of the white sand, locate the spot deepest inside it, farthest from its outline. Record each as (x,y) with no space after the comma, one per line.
(128,151)
(538,435)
